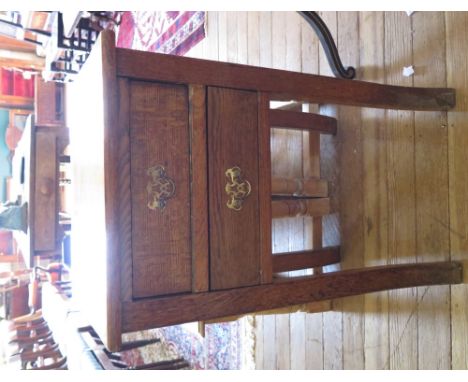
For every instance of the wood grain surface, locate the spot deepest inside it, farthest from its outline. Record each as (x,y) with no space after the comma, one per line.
(198,189)
(305,121)
(281,84)
(291,261)
(46,192)
(161,238)
(232,142)
(201,306)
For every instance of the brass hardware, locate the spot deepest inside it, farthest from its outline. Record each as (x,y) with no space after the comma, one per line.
(160,188)
(237,188)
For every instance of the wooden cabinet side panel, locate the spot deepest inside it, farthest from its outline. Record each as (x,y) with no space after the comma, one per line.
(161,241)
(49,105)
(125,192)
(233,142)
(45,192)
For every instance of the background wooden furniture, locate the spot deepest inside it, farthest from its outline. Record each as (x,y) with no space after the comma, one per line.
(49,104)
(35,181)
(33,345)
(158,262)
(15,294)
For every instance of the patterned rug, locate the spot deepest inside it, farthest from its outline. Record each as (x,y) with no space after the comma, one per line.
(163,32)
(226,346)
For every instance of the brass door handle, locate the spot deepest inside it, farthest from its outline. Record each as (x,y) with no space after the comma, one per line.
(160,188)
(237,188)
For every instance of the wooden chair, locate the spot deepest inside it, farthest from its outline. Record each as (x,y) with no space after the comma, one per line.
(31,355)
(15,289)
(32,345)
(28,318)
(29,341)
(29,329)
(49,360)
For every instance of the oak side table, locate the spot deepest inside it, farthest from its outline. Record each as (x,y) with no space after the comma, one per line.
(173,190)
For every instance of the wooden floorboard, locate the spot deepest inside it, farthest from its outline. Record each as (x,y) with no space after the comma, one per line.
(351,196)
(432,203)
(401,193)
(398,184)
(457,76)
(282,165)
(374,133)
(332,321)
(313,323)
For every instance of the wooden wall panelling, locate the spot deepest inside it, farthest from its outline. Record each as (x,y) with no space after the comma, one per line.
(253,38)
(242,37)
(231,37)
(268,322)
(432,204)
(375,205)
(349,139)
(457,77)
(222,35)
(281,165)
(402,196)
(212,39)
(311,168)
(296,226)
(332,321)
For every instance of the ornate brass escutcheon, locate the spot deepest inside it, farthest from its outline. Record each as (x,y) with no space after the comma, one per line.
(160,188)
(237,188)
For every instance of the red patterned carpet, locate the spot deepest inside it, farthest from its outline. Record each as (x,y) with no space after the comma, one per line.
(226,346)
(163,32)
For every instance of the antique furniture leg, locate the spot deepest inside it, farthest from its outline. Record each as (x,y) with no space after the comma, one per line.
(328,44)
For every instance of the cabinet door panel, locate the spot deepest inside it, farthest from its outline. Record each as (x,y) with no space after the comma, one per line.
(160,187)
(232,144)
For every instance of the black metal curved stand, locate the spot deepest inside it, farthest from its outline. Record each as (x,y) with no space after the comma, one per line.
(328,44)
